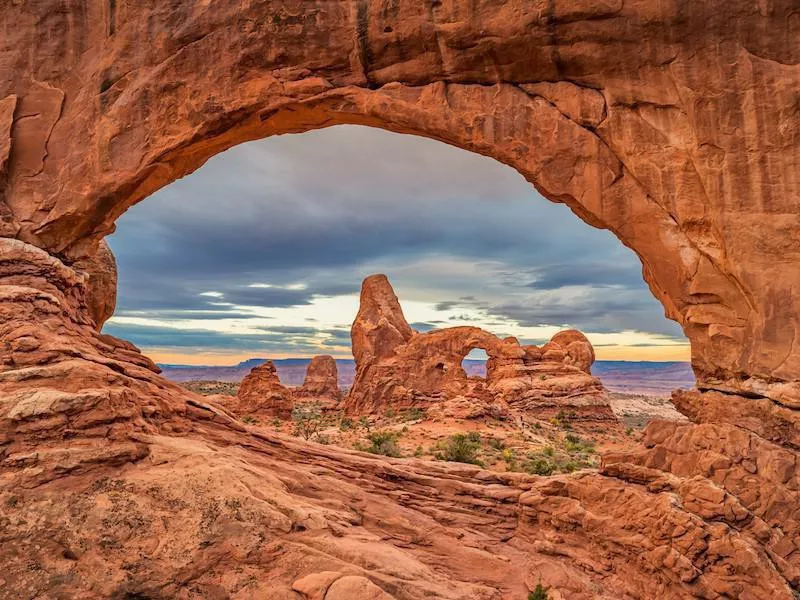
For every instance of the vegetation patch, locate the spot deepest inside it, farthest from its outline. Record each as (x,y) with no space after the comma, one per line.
(383,443)
(460,447)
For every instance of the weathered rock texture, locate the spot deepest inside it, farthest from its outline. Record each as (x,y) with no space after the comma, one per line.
(322,380)
(398,368)
(673,124)
(116,483)
(261,393)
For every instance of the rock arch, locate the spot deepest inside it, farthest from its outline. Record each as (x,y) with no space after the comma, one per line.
(674,124)
(657,146)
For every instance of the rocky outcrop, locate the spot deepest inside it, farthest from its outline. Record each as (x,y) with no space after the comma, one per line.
(406,369)
(672,124)
(321,381)
(380,326)
(116,483)
(262,394)
(646,119)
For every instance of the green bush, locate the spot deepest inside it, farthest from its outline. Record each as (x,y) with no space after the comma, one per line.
(346,424)
(540,593)
(307,420)
(574,444)
(496,444)
(383,443)
(461,448)
(540,466)
(413,414)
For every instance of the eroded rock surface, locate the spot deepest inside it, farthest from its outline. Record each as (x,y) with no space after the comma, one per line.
(116,483)
(673,124)
(261,393)
(321,382)
(398,368)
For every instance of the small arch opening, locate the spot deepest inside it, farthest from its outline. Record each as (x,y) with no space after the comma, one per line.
(474,363)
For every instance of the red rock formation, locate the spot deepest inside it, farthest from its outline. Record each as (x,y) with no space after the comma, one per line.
(103,462)
(673,124)
(322,380)
(261,393)
(409,369)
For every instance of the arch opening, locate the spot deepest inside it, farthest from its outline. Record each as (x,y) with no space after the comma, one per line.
(465,212)
(474,363)
(561,155)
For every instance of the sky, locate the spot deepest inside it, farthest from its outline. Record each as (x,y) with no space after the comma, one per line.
(261,253)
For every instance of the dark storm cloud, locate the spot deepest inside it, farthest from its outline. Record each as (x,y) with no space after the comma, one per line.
(327,208)
(169,337)
(596,274)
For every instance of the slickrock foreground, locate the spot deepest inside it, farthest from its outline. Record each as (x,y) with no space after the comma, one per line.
(672,124)
(398,368)
(116,482)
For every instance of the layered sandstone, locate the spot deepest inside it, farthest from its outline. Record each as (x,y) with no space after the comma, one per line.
(261,393)
(673,124)
(116,483)
(398,368)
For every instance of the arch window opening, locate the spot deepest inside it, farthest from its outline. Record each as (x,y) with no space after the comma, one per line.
(259,255)
(474,363)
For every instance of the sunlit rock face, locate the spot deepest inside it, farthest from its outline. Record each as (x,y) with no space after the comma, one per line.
(261,394)
(321,382)
(398,368)
(673,124)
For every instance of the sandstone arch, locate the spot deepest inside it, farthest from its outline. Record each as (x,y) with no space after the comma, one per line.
(674,124)
(657,146)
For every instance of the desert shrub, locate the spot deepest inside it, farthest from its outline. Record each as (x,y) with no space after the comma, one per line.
(461,448)
(307,420)
(574,444)
(510,458)
(572,457)
(419,451)
(389,413)
(413,414)
(346,424)
(539,593)
(496,444)
(383,443)
(364,422)
(540,465)
(249,420)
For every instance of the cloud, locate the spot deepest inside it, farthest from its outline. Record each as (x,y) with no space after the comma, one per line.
(277,224)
